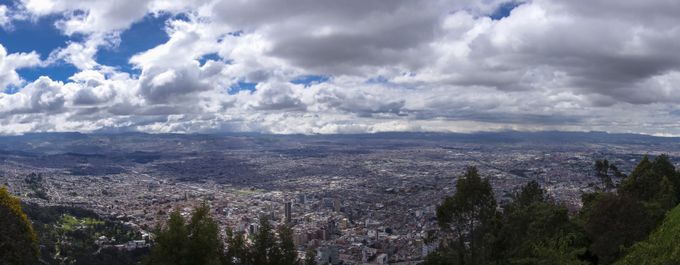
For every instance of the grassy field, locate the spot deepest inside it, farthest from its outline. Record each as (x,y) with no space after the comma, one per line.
(661,248)
(70,223)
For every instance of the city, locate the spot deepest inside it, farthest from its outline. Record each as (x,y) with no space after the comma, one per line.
(356,199)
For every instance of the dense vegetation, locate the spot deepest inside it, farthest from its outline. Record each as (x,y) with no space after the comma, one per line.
(69,235)
(198,242)
(18,241)
(534,229)
(662,246)
(60,235)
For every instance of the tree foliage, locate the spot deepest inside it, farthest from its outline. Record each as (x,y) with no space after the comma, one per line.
(18,241)
(264,244)
(602,172)
(614,221)
(662,246)
(534,229)
(469,215)
(237,252)
(310,256)
(287,246)
(647,180)
(199,242)
(68,235)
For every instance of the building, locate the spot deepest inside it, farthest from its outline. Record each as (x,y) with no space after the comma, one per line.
(337,205)
(328,255)
(288,212)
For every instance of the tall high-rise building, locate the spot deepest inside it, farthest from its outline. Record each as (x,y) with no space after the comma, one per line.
(302,198)
(337,205)
(288,211)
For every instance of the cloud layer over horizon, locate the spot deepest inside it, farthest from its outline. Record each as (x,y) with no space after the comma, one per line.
(310,66)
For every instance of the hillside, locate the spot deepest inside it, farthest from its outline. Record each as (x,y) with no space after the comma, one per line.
(661,247)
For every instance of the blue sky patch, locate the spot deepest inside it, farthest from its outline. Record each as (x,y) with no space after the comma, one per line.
(9,4)
(209,56)
(308,80)
(240,86)
(140,37)
(504,10)
(43,37)
(377,80)
(60,71)
(237,33)
(40,36)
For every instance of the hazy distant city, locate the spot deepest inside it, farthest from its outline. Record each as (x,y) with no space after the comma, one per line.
(356,196)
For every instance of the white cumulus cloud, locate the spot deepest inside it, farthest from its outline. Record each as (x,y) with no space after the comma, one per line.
(443,65)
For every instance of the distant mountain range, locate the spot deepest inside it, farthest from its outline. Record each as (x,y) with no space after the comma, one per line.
(479,137)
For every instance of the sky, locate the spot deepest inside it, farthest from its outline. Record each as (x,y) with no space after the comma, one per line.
(351,66)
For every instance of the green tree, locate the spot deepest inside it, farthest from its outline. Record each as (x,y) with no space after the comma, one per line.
(470,216)
(287,247)
(195,243)
(237,251)
(556,251)
(661,247)
(443,256)
(205,246)
(614,223)
(264,244)
(310,256)
(536,230)
(647,180)
(171,240)
(529,194)
(602,168)
(665,198)
(18,241)
(616,172)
